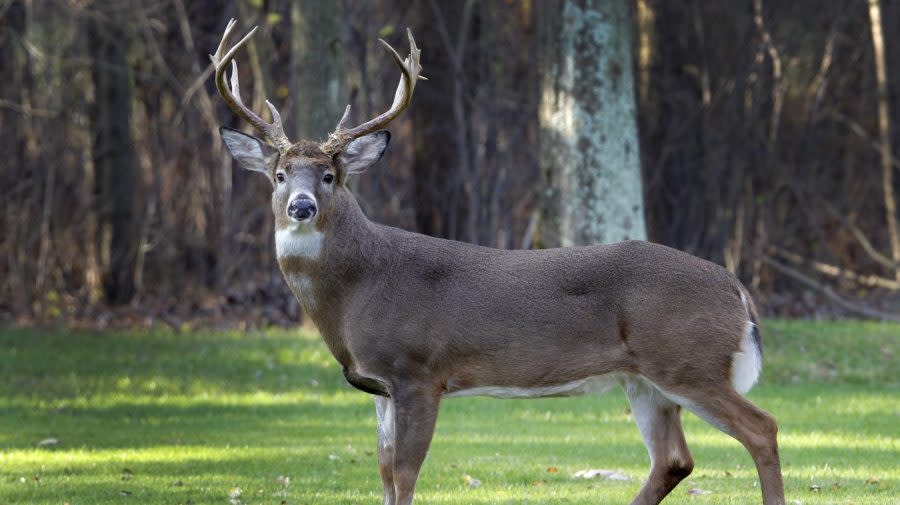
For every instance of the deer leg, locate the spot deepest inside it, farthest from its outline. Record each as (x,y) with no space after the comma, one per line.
(756,429)
(659,421)
(384,410)
(415,414)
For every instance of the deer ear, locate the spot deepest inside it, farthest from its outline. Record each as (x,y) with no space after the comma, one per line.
(250,152)
(363,152)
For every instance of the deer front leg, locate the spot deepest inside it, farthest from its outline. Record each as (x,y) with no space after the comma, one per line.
(415,409)
(384,410)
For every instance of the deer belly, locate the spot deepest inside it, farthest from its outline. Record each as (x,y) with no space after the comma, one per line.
(589,385)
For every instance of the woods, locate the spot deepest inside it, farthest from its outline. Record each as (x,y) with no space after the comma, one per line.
(754,133)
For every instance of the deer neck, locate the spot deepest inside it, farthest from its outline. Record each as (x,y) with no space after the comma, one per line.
(320,261)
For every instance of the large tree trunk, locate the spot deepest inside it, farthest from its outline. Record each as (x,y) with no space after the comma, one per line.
(317,67)
(589,141)
(117,176)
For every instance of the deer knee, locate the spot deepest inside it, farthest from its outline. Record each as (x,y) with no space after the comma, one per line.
(680,466)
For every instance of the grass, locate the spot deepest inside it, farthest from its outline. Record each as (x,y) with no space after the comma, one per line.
(173,419)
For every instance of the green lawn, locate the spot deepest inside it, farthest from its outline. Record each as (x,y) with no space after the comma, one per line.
(187,419)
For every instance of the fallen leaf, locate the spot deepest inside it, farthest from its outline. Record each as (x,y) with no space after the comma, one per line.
(48,441)
(815,488)
(283,480)
(606,474)
(334,457)
(872,480)
(125,492)
(472,482)
(552,469)
(694,491)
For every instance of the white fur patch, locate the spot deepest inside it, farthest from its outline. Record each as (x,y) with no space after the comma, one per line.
(302,285)
(746,363)
(645,400)
(384,411)
(590,385)
(302,241)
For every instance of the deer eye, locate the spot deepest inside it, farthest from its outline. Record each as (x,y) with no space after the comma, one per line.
(328,179)
(279,177)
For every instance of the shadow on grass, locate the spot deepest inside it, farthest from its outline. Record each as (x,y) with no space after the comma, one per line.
(46,365)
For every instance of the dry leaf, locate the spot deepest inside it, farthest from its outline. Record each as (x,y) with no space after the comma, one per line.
(234,495)
(283,480)
(552,469)
(472,482)
(606,474)
(872,480)
(694,491)
(815,488)
(48,441)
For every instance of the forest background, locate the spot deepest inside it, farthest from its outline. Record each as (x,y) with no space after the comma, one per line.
(766,128)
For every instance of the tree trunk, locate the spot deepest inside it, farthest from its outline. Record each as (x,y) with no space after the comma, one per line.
(884,130)
(16,285)
(589,143)
(117,176)
(317,67)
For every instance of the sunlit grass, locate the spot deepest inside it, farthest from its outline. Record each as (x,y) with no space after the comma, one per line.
(164,418)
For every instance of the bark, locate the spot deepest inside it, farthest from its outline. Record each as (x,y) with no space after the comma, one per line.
(117,177)
(318,80)
(589,144)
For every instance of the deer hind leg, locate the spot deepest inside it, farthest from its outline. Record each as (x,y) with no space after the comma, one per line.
(659,421)
(754,428)
(384,410)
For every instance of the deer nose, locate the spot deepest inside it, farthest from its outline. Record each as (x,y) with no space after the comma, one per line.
(302,208)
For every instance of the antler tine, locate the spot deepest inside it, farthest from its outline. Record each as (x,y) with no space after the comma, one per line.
(409,74)
(273,131)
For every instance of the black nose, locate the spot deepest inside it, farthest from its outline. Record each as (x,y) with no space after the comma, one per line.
(302,208)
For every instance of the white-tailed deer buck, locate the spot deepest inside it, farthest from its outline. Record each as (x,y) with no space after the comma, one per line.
(415,319)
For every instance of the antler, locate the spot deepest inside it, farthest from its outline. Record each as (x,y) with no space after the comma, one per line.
(274,131)
(409,69)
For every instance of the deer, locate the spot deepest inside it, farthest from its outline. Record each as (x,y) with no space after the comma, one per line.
(414,319)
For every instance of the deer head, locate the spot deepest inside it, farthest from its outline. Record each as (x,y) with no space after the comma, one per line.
(305,175)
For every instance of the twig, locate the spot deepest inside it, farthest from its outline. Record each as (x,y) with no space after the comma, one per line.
(873,281)
(863,240)
(828,292)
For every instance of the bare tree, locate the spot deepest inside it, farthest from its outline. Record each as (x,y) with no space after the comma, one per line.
(117,178)
(884,131)
(317,72)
